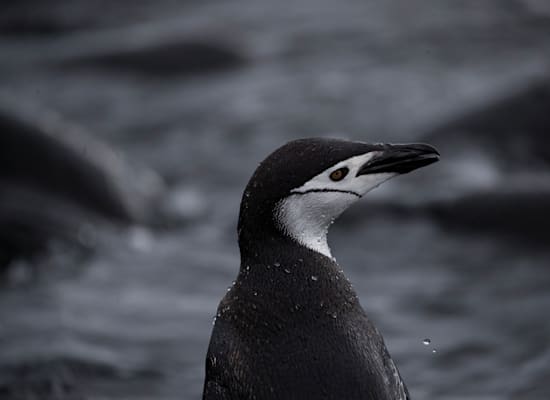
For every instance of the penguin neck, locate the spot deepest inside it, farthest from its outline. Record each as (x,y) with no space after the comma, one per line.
(280,224)
(275,249)
(284,271)
(305,223)
(264,240)
(283,275)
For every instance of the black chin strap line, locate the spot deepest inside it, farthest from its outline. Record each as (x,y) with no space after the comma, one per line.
(326,191)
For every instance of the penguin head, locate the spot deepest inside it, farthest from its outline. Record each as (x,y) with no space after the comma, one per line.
(302,187)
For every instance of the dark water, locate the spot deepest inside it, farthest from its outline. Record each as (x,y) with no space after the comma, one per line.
(457,253)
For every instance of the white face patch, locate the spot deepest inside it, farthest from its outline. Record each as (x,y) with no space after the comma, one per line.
(307,213)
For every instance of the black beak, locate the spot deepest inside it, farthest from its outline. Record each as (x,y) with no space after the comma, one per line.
(400,159)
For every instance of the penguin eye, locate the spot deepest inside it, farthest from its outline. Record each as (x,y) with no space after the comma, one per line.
(339,174)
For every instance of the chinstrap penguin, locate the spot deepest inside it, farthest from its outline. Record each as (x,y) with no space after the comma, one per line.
(291,327)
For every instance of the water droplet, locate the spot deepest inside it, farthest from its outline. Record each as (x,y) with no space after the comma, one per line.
(254,306)
(301,260)
(248,268)
(427,342)
(434,351)
(255,293)
(314,278)
(214,320)
(287,270)
(233,283)
(229,289)
(334,315)
(277,264)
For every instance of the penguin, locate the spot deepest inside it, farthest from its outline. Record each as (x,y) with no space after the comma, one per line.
(291,326)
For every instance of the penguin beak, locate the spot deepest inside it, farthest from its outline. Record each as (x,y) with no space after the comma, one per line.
(400,159)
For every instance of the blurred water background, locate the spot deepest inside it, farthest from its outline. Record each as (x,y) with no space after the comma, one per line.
(128,131)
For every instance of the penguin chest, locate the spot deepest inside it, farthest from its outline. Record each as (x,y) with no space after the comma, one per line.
(322,361)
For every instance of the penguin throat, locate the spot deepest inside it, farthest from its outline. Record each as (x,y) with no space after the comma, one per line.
(306,217)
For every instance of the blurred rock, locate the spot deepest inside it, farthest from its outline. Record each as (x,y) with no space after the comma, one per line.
(512,132)
(513,129)
(32,19)
(521,216)
(540,8)
(28,26)
(32,157)
(58,183)
(518,213)
(31,219)
(62,378)
(44,381)
(165,59)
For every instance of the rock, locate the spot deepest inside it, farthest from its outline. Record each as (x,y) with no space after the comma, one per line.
(45,381)
(65,378)
(29,156)
(164,59)
(514,128)
(521,216)
(31,19)
(517,214)
(54,184)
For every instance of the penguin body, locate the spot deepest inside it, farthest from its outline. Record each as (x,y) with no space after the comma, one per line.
(291,327)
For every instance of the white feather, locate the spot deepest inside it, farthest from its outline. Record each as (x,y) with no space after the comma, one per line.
(307,213)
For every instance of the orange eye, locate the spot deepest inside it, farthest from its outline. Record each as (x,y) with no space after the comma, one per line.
(339,174)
